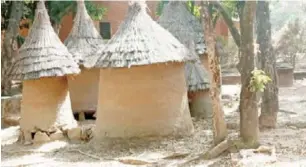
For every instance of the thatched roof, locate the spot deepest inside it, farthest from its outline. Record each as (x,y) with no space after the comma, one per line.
(177,19)
(140,41)
(197,77)
(84,37)
(43,54)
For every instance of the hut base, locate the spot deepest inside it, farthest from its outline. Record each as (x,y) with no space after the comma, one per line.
(200,105)
(45,108)
(143,101)
(83,90)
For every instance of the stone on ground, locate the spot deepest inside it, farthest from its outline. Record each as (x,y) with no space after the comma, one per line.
(58,135)
(74,133)
(41,137)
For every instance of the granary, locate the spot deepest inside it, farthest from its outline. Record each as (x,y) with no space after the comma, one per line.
(143,90)
(176,19)
(81,42)
(43,64)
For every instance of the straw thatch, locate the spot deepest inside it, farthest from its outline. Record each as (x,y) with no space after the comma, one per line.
(43,54)
(197,77)
(177,19)
(84,37)
(140,41)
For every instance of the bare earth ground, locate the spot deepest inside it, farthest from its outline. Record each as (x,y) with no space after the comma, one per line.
(288,141)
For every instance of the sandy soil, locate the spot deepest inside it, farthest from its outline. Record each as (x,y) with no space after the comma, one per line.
(289,141)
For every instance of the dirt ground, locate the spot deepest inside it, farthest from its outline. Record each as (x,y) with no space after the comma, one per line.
(288,141)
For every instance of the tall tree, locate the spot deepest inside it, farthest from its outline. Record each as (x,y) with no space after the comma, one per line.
(245,10)
(249,129)
(10,46)
(219,124)
(270,107)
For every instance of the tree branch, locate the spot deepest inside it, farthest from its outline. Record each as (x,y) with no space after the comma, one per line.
(234,31)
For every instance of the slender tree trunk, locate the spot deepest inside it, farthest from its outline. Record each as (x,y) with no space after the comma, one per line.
(269,108)
(248,104)
(10,46)
(219,124)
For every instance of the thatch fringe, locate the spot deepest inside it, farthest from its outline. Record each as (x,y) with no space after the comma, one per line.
(84,37)
(140,41)
(43,54)
(177,19)
(197,77)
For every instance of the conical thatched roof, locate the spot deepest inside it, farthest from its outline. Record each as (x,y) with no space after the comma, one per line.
(179,25)
(177,19)
(84,37)
(140,41)
(43,54)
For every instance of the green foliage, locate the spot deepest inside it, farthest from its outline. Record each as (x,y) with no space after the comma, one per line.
(58,9)
(194,9)
(96,11)
(232,7)
(160,7)
(20,40)
(259,80)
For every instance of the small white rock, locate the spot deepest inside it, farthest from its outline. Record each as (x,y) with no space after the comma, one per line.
(40,137)
(74,133)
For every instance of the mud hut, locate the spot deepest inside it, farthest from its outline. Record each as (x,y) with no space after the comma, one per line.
(143,91)
(176,19)
(43,64)
(81,42)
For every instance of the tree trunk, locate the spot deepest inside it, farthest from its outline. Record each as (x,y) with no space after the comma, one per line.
(219,124)
(10,46)
(229,22)
(248,103)
(269,108)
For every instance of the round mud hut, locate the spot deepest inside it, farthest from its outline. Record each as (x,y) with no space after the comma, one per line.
(176,18)
(43,64)
(82,41)
(143,91)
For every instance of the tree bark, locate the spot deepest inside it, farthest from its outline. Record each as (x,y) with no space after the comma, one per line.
(248,104)
(10,46)
(270,106)
(219,124)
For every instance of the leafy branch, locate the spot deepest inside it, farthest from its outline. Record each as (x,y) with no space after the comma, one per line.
(259,80)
